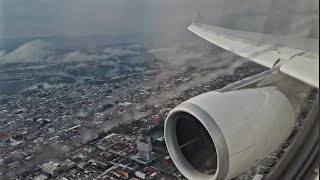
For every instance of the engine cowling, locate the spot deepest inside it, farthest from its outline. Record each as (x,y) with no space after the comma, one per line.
(221,135)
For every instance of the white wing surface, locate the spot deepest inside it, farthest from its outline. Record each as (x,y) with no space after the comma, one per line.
(296,57)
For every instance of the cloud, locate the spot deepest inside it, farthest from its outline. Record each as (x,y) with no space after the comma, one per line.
(40,51)
(210,60)
(33,51)
(197,53)
(2,53)
(77,56)
(120,52)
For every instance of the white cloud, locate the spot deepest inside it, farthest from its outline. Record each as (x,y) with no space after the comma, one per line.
(33,51)
(78,56)
(119,52)
(39,51)
(2,53)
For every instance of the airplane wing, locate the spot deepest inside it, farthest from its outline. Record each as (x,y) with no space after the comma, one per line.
(295,57)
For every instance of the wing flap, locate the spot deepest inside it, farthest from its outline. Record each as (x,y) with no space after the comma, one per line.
(303,69)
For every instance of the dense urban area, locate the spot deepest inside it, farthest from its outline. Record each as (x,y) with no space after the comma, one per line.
(75,121)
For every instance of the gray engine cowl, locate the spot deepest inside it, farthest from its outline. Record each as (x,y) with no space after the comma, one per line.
(220,135)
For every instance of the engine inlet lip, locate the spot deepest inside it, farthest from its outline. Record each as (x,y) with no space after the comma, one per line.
(216,135)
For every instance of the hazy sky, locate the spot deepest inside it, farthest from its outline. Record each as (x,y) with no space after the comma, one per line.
(25,18)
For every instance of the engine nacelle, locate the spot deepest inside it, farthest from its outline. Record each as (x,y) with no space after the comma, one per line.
(221,135)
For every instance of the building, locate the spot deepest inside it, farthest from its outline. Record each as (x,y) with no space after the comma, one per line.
(257,177)
(145,148)
(41,177)
(52,168)
(147,173)
(140,175)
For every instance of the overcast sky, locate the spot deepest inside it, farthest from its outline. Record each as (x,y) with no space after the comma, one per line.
(27,18)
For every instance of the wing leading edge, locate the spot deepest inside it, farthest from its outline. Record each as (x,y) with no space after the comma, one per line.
(297,57)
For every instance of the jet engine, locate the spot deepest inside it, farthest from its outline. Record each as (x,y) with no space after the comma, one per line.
(220,135)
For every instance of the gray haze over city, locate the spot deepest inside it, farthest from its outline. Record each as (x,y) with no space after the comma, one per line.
(71,71)
(165,18)
(158,23)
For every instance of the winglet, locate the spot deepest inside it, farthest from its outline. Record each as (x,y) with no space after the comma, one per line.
(195,17)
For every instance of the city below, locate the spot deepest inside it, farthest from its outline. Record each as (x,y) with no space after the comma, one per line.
(100,119)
